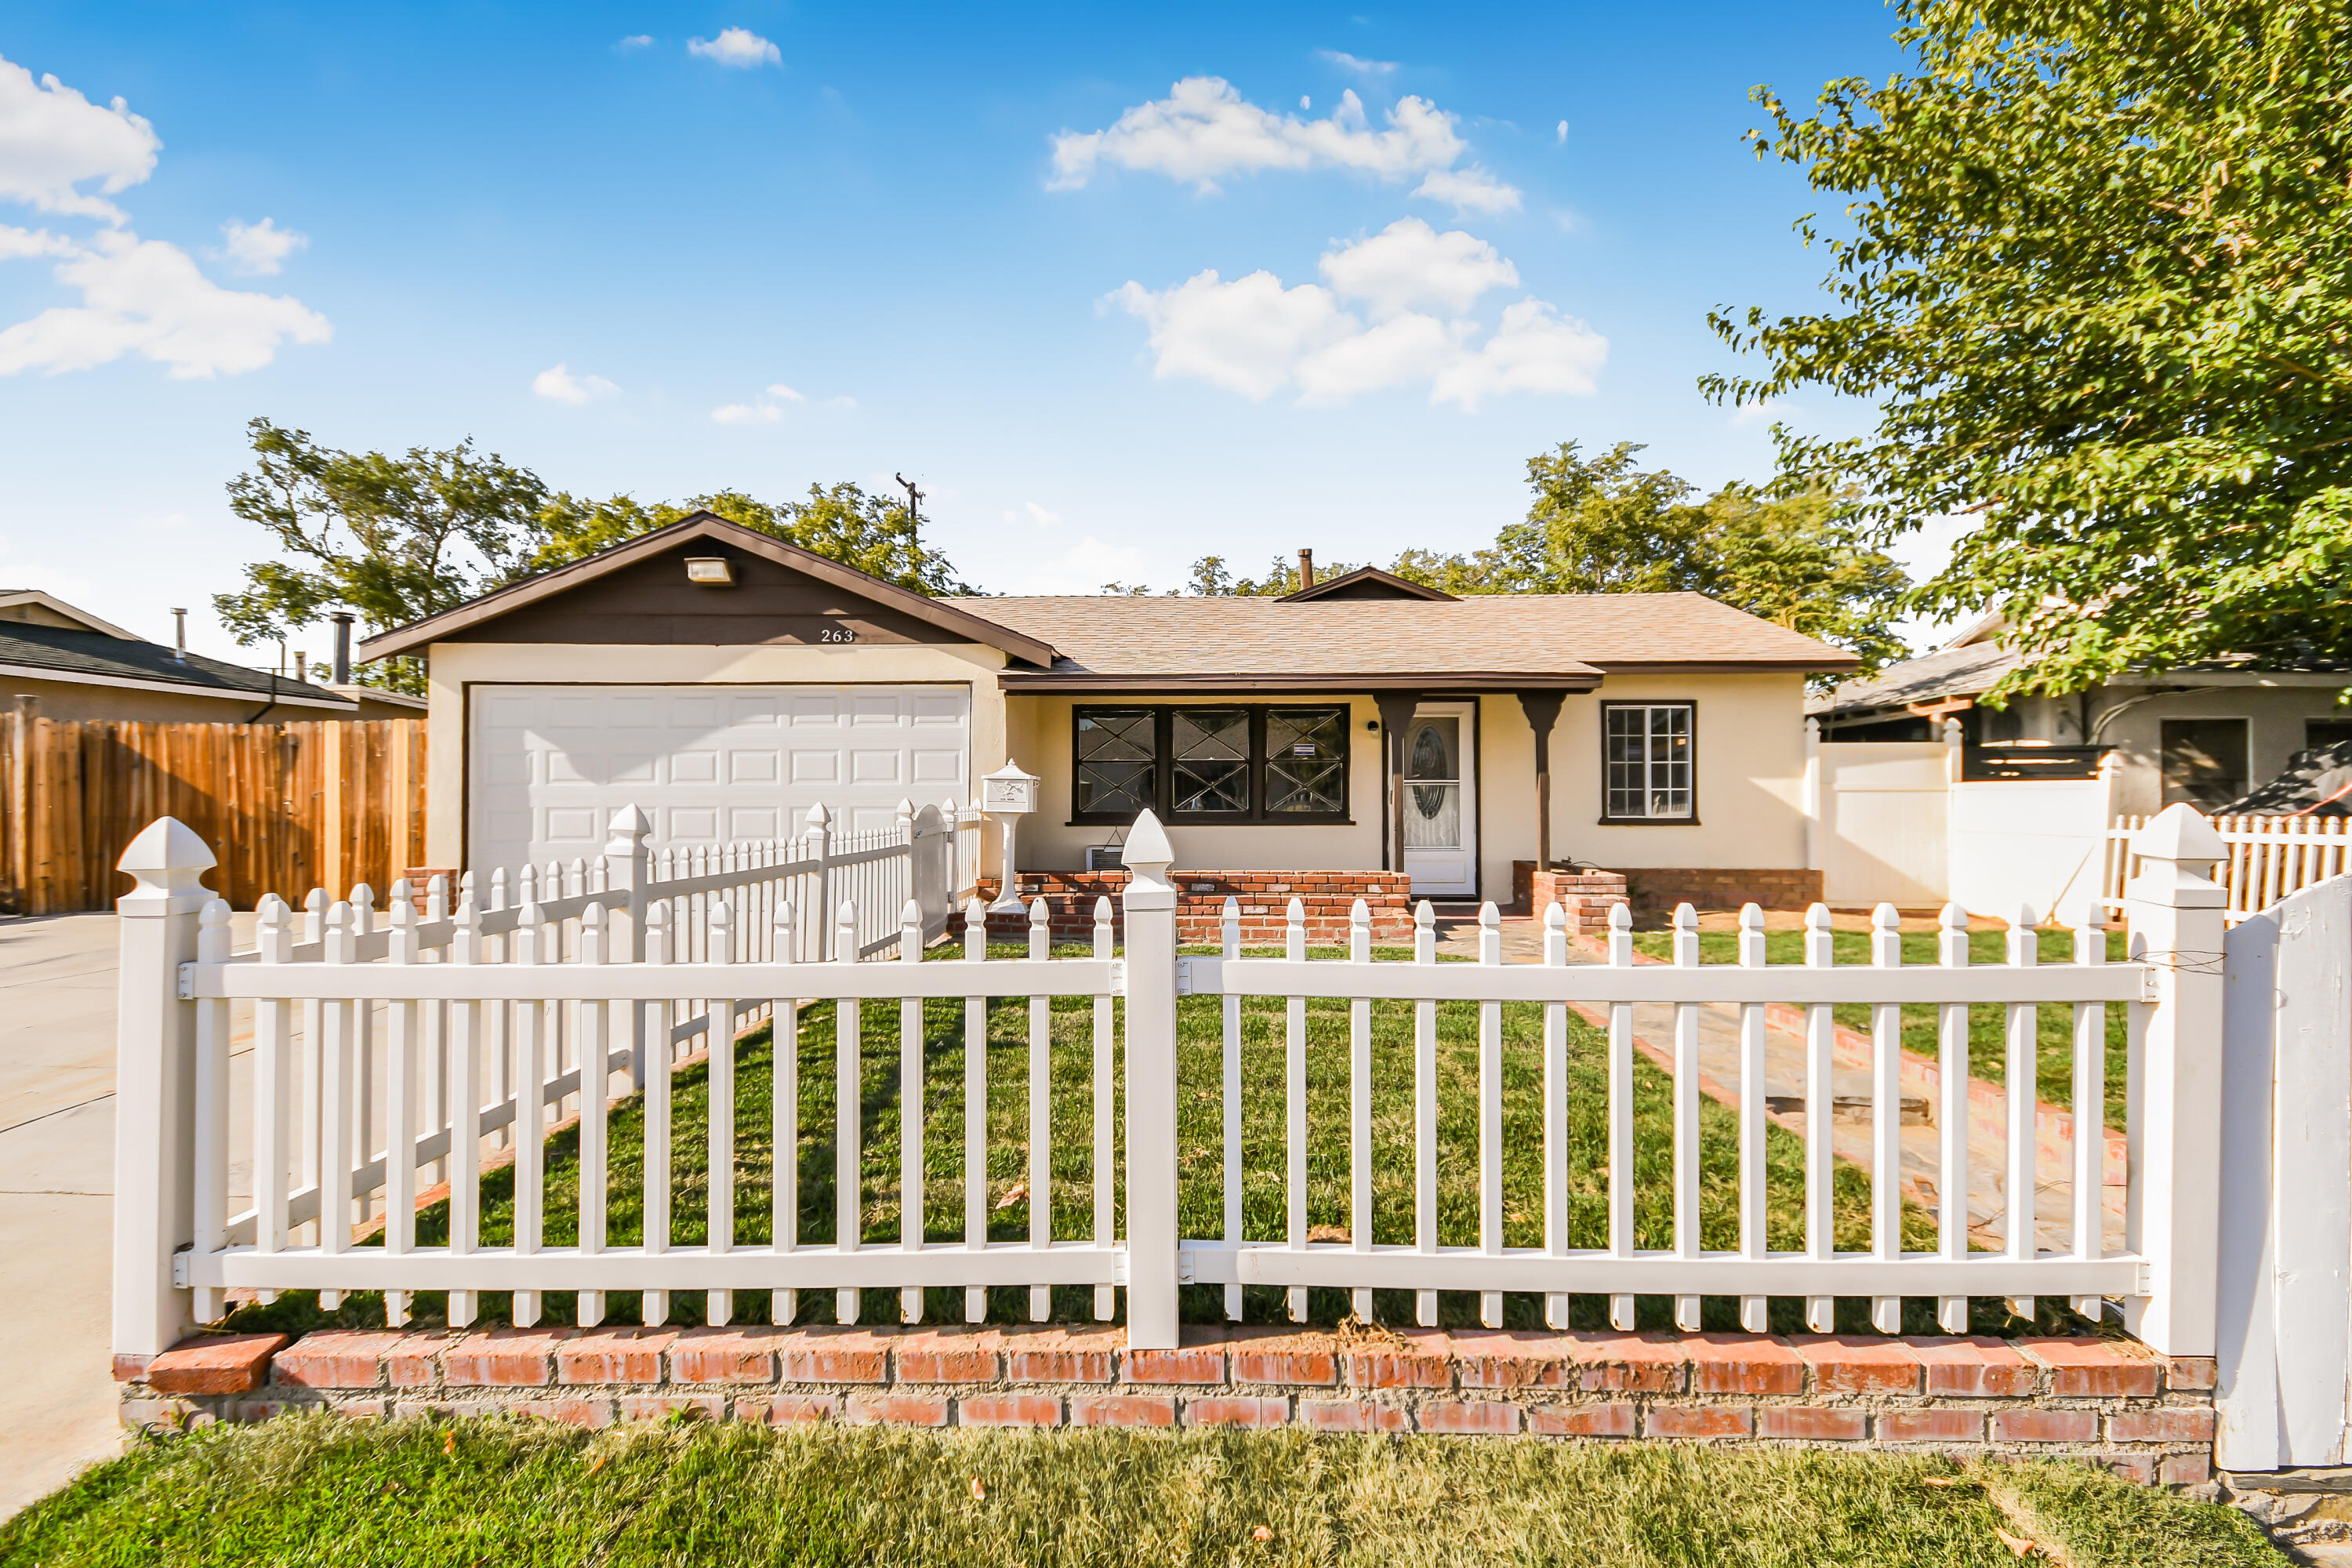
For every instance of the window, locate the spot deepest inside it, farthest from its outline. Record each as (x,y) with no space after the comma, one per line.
(1210,764)
(2326,731)
(2204,761)
(1647,772)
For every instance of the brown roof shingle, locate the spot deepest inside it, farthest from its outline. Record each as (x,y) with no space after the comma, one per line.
(1114,638)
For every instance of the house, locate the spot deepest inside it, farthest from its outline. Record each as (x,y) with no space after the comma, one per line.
(2204,734)
(72,664)
(726,681)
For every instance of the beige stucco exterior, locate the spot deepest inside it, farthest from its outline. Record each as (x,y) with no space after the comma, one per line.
(1749,739)
(2276,709)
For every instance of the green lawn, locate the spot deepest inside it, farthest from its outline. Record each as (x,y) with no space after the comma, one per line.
(1987,1027)
(318,1490)
(1199,1141)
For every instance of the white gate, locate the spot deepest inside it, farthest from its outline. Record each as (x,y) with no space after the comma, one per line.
(1882,816)
(2285,1308)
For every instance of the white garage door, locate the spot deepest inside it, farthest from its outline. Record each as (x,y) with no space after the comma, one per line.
(548,765)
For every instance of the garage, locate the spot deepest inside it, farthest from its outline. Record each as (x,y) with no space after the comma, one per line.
(549,764)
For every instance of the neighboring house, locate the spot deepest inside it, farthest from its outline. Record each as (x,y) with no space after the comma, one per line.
(75,666)
(2203,734)
(726,682)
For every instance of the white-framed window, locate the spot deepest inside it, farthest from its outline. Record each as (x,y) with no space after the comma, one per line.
(1648,769)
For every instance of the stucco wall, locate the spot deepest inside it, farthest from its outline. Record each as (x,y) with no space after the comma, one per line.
(2276,713)
(454,665)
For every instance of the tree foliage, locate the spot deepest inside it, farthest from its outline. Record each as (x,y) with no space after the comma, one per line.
(391,539)
(1212,579)
(1604,525)
(395,540)
(2096,272)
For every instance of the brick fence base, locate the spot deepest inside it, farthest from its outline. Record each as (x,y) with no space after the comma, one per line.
(1656,889)
(2109,1402)
(1264,897)
(1584,897)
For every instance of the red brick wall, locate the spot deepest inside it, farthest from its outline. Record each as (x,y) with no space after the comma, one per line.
(2109,1402)
(1658,888)
(1586,897)
(1264,897)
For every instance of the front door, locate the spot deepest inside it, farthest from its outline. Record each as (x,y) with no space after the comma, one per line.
(1440,801)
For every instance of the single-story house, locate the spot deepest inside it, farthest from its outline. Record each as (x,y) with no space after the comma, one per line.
(726,681)
(72,664)
(2204,734)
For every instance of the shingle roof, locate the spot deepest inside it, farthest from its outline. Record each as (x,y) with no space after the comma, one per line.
(1557,634)
(74,652)
(1947,672)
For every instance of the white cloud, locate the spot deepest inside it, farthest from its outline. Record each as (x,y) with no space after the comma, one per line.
(146,296)
(558,385)
(736,47)
(1204,130)
(1470,190)
(637,41)
(1409,265)
(1764,413)
(259,250)
(53,141)
(18,243)
(1083,568)
(1418,288)
(843,401)
(746,412)
(780,390)
(1561,134)
(1373,69)
(1041,517)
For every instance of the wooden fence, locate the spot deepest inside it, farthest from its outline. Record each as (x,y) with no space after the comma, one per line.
(327,803)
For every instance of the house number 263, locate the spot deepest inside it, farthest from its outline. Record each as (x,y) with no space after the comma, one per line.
(836,634)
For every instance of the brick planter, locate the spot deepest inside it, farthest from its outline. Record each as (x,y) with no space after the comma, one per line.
(1585,897)
(1263,896)
(2109,1402)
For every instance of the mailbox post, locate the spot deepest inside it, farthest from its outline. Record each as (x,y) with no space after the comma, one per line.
(1008,795)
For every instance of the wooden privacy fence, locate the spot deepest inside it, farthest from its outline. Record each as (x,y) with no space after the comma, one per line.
(594,987)
(2269,858)
(327,803)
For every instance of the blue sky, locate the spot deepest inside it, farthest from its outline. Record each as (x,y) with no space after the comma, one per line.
(772,244)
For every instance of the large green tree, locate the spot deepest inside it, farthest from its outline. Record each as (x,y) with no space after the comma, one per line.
(875,533)
(1605,525)
(2093,268)
(391,539)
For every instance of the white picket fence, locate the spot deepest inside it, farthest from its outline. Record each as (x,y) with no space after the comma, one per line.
(2269,858)
(632,990)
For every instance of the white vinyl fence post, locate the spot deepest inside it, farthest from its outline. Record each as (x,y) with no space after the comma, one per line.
(2176,912)
(628,871)
(154,1095)
(1816,844)
(1149,903)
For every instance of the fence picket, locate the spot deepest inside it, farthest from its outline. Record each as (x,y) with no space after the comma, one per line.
(1886,1116)
(1821,1103)
(1229,933)
(595,1083)
(1490,1114)
(466,1104)
(1360,1101)
(1424,1111)
(784,1063)
(1752,1092)
(1619,1171)
(848,1126)
(2021,1056)
(718,1042)
(911,1110)
(272,1097)
(2090,1097)
(210,1154)
(529,1123)
(662,1055)
(975,1108)
(1952,1114)
(1041,1105)
(1105,1088)
(1685,1116)
(1294,1100)
(1555,1116)
(399,1103)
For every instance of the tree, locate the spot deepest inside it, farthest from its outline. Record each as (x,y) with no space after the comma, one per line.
(877,534)
(1212,580)
(2096,274)
(1603,525)
(391,539)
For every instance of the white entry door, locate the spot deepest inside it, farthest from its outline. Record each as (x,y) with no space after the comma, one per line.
(546,766)
(1440,801)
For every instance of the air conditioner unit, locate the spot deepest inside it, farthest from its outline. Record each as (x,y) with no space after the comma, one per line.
(1105,857)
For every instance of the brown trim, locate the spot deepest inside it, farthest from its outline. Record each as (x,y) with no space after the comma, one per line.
(704,525)
(1473,683)
(1337,587)
(1608,821)
(1728,667)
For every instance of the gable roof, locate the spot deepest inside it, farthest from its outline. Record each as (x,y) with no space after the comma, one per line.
(1367,583)
(947,614)
(1561,641)
(103,658)
(27,599)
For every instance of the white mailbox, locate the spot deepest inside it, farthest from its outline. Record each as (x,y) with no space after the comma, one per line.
(1008,795)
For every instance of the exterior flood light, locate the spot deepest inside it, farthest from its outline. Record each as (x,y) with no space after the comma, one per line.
(710,571)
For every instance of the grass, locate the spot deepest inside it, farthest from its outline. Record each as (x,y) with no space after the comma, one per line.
(315,1488)
(1987,1027)
(1199,1141)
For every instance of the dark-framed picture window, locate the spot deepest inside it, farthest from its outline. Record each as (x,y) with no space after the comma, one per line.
(1210,762)
(1649,762)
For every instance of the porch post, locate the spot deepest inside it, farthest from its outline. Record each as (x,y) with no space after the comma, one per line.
(1542,709)
(1396,713)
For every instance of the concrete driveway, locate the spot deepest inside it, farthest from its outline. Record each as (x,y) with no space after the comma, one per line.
(57,1185)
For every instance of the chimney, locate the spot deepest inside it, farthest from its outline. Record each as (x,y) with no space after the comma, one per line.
(179,634)
(300,666)
(343,619)
(1305,569)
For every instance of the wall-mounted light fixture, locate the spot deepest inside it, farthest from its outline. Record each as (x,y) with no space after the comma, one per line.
(710,571)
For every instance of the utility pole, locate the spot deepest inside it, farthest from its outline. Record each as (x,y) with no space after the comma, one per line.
(914,506)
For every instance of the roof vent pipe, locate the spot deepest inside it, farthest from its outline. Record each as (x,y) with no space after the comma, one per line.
(179,634)
(343,619)
(1305,569)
